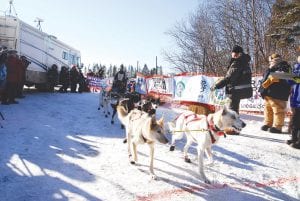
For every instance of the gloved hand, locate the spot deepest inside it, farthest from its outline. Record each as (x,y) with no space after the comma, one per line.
(297,80)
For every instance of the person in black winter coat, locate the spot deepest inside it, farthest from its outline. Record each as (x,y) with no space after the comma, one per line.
(81,82)
(237,81)
(120,81)
(64,79)
(52,76)
(74,78)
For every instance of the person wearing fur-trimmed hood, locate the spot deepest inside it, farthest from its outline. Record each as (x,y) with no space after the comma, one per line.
(275,93)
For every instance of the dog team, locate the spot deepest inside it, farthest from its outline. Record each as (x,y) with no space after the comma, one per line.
(141,127)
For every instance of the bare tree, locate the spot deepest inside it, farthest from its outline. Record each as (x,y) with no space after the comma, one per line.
(205,41)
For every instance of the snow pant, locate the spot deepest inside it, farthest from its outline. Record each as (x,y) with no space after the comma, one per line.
(274,112)
(295,124)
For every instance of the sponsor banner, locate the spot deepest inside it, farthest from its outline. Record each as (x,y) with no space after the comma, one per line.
(140,86)
(96,82)
(256,102)
(197,89)
(161,85)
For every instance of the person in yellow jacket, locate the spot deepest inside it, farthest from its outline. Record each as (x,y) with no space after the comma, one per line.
(275,93)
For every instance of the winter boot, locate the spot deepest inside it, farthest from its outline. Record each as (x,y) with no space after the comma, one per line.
(293,138)
(274,130)
(265,127)
(296,144)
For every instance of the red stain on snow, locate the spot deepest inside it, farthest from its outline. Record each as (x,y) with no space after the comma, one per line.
(203,187)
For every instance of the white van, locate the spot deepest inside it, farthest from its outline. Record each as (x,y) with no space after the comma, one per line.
(41,49)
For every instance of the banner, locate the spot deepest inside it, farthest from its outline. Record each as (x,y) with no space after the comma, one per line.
(96,82)
(140,86)
(161,85)
(256,102)
(197,89)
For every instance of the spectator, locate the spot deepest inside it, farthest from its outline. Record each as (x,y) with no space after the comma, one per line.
(52,77)
(64,79)
(3,71)
(24,66)
(101,73)
(237,81)
(74,78)
(275,93)
(82,83)
(295,105)
(13,65)
(120,80)
(90,73)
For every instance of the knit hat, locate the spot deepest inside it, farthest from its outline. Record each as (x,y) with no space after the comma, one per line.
(237,49)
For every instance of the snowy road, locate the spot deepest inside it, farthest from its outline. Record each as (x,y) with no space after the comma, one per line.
(60,147)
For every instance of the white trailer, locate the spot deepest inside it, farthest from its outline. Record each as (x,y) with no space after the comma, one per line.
(41,49)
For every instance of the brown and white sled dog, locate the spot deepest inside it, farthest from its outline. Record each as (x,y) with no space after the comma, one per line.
(203,130)
(141,128)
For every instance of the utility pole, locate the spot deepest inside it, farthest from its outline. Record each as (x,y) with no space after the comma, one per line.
(156,65)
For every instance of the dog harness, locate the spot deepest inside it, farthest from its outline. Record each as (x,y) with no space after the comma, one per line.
(213,128)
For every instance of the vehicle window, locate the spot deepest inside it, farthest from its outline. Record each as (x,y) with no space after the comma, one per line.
(65,55)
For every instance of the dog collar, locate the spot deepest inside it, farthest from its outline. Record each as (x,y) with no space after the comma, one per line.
(212,127)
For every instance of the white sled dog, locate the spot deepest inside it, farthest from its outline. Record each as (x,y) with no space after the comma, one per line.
(141,128)
(203,130)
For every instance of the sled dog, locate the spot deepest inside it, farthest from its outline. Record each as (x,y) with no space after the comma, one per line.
(104,100)
(140,129)
(149,105)
(203,130)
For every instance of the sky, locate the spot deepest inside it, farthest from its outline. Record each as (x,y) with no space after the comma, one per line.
(129,32)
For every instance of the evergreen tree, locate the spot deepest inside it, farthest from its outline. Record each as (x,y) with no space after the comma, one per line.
(145,70)
(284,30)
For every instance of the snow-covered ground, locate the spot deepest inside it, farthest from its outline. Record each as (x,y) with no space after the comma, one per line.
(60,147)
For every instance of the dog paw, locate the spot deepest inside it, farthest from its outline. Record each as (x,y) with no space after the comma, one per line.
(187,160)
(207,181)
(209,163)
(172,148)
(153,177)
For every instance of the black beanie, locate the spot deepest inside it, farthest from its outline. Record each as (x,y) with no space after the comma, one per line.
(237,49)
